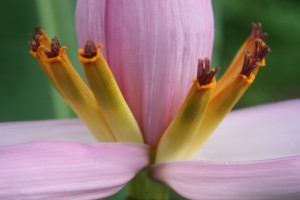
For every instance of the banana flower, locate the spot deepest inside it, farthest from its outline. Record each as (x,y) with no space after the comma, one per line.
(148,111)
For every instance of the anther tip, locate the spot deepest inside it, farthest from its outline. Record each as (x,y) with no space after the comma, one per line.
(257,32)
(55,47)
(32,46)
(249,65)
(90,49)
(35,43)
(204,74)
(216,69)
(38,30)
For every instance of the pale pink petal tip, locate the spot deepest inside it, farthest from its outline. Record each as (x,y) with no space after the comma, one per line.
(261,180)
(68,170)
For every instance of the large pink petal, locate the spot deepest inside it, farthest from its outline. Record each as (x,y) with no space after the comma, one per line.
(263,180)
(68,170)
(263,132)
(48,130)
(152,48)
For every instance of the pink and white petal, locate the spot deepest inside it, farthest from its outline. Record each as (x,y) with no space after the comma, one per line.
(263,132)
(66,170)
(152,48)
(261,180)
(48,130)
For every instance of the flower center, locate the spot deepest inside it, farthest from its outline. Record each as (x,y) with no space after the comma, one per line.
(101,106)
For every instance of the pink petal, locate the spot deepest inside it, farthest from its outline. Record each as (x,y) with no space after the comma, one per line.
(68,170)
(263,180)
(263,132)
(152,48)
(53,130)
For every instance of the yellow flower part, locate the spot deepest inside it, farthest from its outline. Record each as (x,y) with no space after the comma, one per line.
(108,95)
(184,127)
(229,89)
(102,107)
(59,70)
(254,45)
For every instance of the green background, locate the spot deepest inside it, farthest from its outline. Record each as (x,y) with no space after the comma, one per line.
(25,93)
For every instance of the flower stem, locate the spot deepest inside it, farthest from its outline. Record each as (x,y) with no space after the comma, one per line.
(143,188)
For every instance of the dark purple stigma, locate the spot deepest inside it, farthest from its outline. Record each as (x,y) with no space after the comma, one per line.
(90,49)
(204,74)
(55,47)
(260,51)
(257,32)
(248,65)
(34,45)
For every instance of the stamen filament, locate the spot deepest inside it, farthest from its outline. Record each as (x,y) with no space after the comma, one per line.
(251,45)
(218,108)
(69,84)
(108,95)
(227,96)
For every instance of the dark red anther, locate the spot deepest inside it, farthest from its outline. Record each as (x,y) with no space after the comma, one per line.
(90,49)
(257,32)
(34,45)
(264,51)
(38,30)
(257,48)
(55,47)
(260,51)
(204,74)
(248,65)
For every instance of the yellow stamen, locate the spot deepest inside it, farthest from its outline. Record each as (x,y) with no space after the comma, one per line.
(182,131)
(40,58)
(109,97)
(234,68)
(217,109)
(176,140)
(253,44)
(69,84)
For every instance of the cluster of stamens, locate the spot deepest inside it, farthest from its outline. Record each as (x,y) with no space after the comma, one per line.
(204,74)
(101,105)
(34,45)
(259,53)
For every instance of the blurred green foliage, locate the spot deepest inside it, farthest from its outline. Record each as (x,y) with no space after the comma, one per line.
(25,93)
(279,80)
